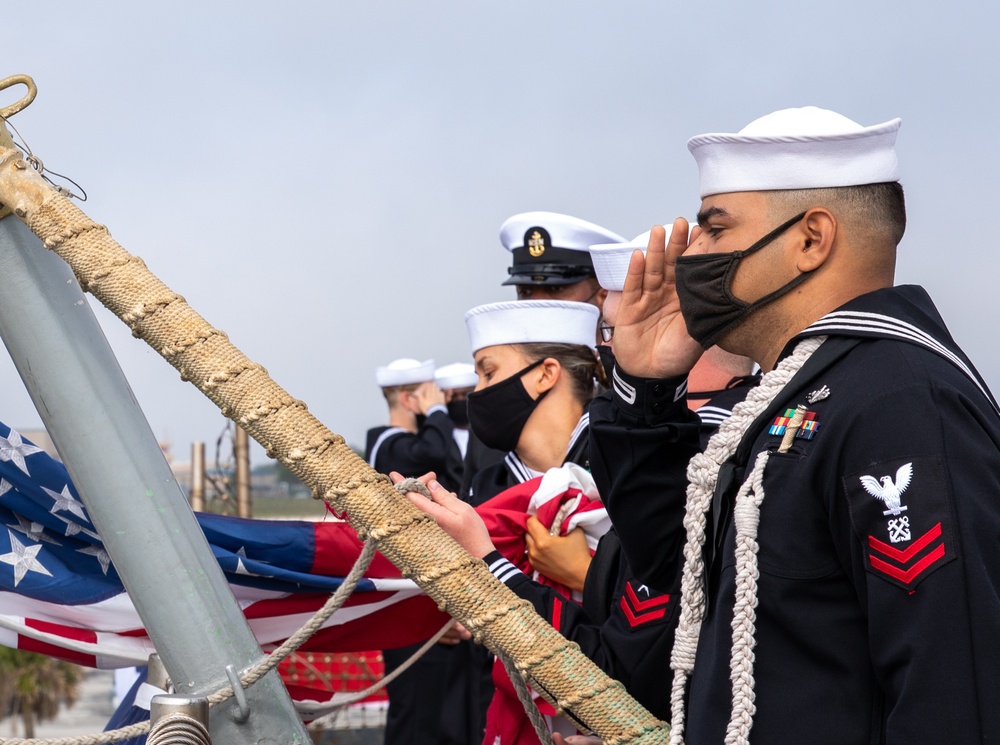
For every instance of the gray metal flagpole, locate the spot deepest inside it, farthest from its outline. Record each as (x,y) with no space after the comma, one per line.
(130,493)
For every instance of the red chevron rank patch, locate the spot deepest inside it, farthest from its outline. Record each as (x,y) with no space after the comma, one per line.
(901,512)
(907,566)
(637,611)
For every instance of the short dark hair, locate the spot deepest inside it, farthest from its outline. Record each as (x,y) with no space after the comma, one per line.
(876,209)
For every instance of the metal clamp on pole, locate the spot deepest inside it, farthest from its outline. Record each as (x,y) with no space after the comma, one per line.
(157,675)
(239,694)
(178,720)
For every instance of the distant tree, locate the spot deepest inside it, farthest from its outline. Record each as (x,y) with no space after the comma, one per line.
(34,686)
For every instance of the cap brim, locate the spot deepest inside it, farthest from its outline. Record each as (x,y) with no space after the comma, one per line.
(546,280)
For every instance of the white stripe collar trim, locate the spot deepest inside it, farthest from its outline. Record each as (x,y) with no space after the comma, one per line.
(381,439)
(578,430)
(871,322)
(517,468)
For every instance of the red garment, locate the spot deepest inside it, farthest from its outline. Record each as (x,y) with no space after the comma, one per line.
(506,517)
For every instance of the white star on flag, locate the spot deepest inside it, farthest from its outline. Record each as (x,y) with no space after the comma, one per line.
(4,486)
(73,528)
(241,568)
(65,501)
(14,449)
(22,558)
(100,553)
(34,531)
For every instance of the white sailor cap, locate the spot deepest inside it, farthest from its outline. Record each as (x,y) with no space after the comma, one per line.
(611,260)
(457,375)
(404,372)
(532,321)
(551,249)
(806,148)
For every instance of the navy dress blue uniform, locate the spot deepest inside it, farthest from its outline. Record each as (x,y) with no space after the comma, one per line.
(623,625)
(477,458)
(511,471)
(878,611)
(432,448)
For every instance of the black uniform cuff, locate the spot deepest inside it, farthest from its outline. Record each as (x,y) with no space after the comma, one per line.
(502,569)
(651,401)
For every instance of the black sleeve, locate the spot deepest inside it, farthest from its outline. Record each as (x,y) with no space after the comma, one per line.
(477,457)
(415,455)
(632,645)
(926,560)
(642,436)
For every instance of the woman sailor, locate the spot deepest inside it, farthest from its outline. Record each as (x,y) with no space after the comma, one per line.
(537,375)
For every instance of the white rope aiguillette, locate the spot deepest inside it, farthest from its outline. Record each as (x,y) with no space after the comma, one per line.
(703,475)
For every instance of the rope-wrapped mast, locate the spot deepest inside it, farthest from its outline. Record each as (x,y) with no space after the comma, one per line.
(245,393)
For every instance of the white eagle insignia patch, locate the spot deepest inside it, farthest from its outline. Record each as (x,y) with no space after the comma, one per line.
(903,544)
(889,491)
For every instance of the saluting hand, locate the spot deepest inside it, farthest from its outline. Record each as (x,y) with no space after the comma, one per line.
(428,395)
(651,338)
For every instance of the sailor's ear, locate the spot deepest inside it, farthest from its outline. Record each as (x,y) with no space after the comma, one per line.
(813,238)
(546,375)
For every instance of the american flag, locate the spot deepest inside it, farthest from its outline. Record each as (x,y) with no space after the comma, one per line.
(60,594)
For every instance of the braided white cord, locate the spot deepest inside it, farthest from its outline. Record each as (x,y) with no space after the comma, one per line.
(703,474)
(746,518)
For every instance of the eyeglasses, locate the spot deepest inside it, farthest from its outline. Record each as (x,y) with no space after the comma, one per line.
(606,329)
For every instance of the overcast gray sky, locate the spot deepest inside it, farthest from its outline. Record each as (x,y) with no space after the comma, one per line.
(325,181)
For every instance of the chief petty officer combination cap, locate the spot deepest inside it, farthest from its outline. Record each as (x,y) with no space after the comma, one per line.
(807,148)
(457,375)
(551,249)
(532,321)
(404,372)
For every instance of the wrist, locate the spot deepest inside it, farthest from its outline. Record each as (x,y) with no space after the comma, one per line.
(652,400)
(435,408)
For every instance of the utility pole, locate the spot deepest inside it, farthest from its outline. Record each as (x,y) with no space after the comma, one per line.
(241,454)
(197,477)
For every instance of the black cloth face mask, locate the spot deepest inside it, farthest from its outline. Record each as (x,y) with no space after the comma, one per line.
(607,359)
(458,412)
(705,289)
(498,413)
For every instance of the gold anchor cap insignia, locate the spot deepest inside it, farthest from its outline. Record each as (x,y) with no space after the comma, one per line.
(536,244)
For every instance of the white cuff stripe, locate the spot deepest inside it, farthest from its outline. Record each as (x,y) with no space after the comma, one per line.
(503,570)
(622,388)
(681,391)
(510,574)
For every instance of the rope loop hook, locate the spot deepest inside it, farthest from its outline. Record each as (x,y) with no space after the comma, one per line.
(9,111)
